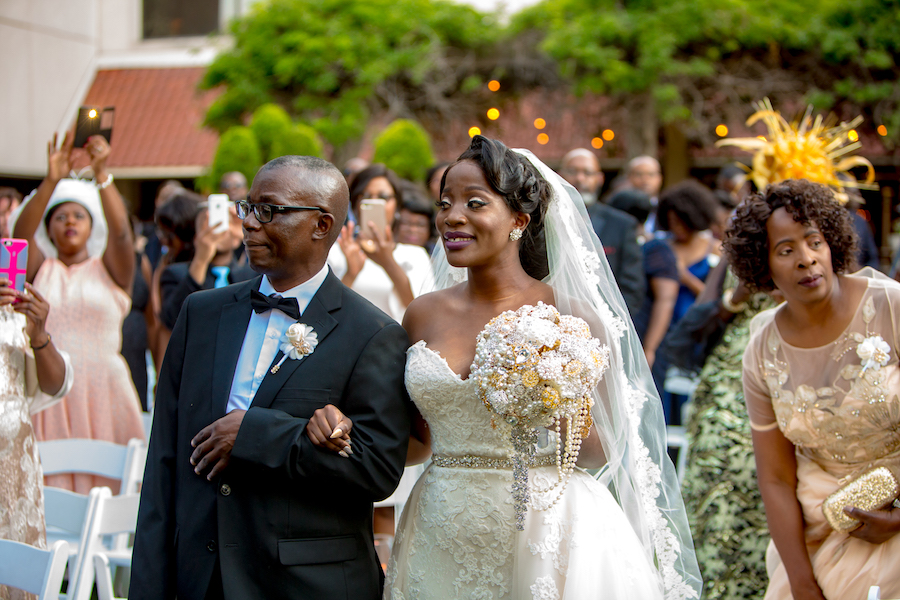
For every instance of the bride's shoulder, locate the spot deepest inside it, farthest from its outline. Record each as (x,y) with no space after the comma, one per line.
(422,310)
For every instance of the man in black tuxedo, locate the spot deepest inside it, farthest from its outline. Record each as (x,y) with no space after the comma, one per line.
(617,230)
(239,499)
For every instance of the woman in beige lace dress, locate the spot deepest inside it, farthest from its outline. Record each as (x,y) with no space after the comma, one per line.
(33,376)
(823,409)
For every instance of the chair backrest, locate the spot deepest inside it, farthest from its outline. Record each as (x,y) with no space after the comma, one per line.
(135,460)
(31,569)
(111,515)
(75,455)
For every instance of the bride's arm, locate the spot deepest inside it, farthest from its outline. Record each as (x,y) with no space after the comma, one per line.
(419,449)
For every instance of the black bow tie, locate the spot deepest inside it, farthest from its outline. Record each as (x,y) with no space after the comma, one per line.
(261,304)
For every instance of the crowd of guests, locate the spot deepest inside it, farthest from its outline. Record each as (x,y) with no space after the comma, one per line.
(691,263)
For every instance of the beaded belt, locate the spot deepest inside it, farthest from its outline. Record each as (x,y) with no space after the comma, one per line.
(484,462)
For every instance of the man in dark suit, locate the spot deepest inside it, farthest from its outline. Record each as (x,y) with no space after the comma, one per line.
(239,500)
(618,231)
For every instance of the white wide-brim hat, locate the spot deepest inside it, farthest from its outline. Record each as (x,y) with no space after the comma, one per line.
(70,190)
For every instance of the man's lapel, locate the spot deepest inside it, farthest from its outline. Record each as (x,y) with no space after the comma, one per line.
(318,316)
(233,322)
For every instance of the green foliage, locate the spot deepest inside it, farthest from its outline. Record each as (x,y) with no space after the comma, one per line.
(335,61)
(405,147)
(297,139)
(268,123)
(238,150)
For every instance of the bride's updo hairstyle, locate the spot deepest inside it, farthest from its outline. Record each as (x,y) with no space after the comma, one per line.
(524,190)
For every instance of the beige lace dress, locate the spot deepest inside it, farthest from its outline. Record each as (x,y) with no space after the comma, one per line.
(843,420)
(21,491)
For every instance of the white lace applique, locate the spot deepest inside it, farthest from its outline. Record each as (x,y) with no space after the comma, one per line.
(649,477)
(544,589)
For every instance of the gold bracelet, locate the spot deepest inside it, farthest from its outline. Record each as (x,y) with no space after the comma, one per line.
(727,295)
(44,345)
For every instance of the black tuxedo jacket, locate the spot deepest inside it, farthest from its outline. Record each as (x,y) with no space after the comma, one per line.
(176,284)
(285,519)
(617,231)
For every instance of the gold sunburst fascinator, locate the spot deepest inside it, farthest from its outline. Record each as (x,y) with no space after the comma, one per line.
(812,149)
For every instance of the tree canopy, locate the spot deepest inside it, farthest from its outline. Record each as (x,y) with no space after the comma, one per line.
(333,64)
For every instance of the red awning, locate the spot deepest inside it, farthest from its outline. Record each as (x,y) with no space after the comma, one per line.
(158,121)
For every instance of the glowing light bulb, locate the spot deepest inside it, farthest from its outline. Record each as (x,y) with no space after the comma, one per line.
(539,123)
(543,138)
(608,135)
(473,131)
(493,114)
(92,114)
(882,130)
(493,85)
(597,143)
(721,130)
(852,135)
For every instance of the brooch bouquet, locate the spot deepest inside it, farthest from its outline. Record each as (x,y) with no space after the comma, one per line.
(298,342)
(534,368)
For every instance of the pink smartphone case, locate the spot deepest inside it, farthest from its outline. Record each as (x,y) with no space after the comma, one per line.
(14,261)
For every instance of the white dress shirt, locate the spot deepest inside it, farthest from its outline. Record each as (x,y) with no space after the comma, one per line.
(262,339)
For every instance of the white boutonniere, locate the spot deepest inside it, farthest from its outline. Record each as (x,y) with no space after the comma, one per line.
(297,342)
(874,353)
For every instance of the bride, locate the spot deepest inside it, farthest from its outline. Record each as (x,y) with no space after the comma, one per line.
(515,234)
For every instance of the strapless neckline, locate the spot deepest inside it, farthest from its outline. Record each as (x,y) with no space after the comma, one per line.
(424,346)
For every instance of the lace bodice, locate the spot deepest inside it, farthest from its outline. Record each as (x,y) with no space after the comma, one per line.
(459,422)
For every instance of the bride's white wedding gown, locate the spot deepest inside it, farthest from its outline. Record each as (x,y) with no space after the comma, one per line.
(457,535)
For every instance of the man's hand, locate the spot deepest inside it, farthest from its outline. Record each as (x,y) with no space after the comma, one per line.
(878,526)
(212,446)
(330,429)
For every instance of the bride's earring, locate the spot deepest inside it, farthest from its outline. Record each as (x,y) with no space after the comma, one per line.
(515,235)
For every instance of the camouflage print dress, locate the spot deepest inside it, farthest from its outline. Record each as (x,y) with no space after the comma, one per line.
(723,501)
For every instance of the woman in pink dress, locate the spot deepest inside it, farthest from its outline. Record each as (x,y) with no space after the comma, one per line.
(81,258)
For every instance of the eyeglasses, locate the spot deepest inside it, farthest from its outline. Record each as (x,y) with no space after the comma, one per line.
(265,212)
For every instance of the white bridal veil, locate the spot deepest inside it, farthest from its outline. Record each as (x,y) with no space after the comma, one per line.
(627,411)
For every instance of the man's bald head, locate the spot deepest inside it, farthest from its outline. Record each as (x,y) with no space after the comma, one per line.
(581,168)
(320,178)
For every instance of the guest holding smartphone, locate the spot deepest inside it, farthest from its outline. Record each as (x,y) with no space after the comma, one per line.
(33,376)
(386,273)
(81,259)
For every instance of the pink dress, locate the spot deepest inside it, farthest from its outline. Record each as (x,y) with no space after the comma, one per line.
(86,313)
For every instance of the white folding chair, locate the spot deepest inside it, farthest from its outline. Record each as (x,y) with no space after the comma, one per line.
(33,570)
(135,460)
(66,514)
(677,438)
(111,516)
(147,417)
(75,455)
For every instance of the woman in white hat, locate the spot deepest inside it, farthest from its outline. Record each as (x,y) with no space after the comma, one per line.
(81,258)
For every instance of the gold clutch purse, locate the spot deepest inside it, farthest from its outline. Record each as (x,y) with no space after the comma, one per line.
(870,491)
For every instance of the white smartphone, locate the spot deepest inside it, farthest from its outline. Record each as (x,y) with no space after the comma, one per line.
(372,210)
(218,212)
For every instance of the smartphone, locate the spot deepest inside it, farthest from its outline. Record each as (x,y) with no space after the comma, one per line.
(372,209)
(94,120)
(14,261)
(218,212)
